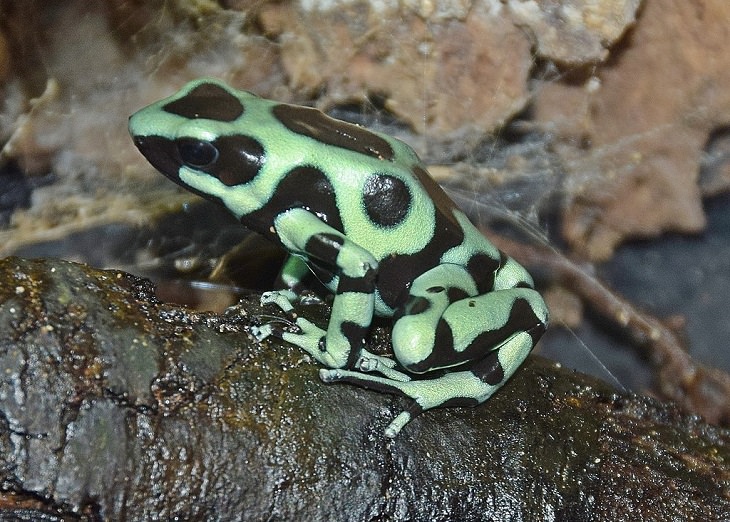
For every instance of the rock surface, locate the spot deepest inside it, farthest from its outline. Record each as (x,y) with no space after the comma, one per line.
(115,406)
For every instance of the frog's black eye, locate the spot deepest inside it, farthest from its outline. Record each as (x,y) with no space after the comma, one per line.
(197,153)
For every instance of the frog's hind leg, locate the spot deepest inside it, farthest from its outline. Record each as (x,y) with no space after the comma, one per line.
(447,323)
(473,342)
(458,388)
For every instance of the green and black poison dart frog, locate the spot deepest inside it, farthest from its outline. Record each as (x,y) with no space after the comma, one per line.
(359,210)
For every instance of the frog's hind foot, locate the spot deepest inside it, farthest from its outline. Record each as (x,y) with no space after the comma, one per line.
(462,388)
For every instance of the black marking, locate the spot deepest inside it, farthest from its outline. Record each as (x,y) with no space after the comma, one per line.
(414,306)
(413,408)
(240,160)
(397,272)
(483,269)
(456,294)
(503,260)
(325,247)
(536,332)
(489,369)
(232,159)
(417,305)
(364,284)
(386,200)
(522,319)
(463,402)
(324,274)
(443,344)
(302,187)
(163,154)
(443,341)
(355,335)
(441,201)
(317,125)
(209,101)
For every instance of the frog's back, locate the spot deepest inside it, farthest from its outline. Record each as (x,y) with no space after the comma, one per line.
(369,186)
(261,158)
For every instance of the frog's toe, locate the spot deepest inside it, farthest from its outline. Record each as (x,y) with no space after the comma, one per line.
(281,298)
(370,362)
(397,424)
(267,330)
(328,375)
(261,332)
(307,328)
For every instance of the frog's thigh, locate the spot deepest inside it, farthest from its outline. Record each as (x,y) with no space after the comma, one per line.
(414,332)
(447,329)
(508,322)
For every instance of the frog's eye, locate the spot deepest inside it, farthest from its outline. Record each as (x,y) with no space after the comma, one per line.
(197,153)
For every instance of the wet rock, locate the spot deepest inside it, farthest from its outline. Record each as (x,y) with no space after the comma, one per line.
(115,406)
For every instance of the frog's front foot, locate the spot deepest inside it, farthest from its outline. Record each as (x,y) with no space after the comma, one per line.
(281,298)
(305,334)
(262,332)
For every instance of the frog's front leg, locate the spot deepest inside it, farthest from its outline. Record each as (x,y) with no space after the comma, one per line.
(291,288)
(341,344)
(292,273)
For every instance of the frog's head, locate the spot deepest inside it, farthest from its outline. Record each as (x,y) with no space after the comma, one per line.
(191,137)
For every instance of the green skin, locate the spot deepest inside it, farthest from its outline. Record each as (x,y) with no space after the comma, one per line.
(357,209)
